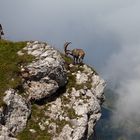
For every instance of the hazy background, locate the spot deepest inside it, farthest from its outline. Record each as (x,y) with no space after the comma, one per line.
(108,30)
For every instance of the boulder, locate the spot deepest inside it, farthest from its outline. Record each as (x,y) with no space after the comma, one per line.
(47,71)
(16,113)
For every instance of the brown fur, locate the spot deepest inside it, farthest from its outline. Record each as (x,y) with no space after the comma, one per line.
(78,54)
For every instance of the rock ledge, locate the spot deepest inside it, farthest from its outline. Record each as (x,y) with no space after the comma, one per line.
(63,100)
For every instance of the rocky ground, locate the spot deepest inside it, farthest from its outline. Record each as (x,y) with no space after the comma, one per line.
(57,100)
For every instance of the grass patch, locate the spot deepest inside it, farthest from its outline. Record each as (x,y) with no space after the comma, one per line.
(71,82)
(33,123)
(70,112)
(10,63)
(88,84)
(60,125)
(67,59)
(72,78)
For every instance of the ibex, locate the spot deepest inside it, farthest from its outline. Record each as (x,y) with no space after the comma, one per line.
(1,31)
(78,54)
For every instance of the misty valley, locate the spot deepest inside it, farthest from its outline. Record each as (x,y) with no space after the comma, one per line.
(107,129)
(64,84)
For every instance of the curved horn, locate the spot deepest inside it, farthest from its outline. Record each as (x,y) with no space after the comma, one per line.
(0,27)
(66,45)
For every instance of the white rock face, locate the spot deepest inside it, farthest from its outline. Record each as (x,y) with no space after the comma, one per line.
(17,112)
(81,78)
(15,115)
(73,103)
(80,109)
(47,72)
(5,133)
(98,86)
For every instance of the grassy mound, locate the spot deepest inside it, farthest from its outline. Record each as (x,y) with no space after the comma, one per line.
(9,65)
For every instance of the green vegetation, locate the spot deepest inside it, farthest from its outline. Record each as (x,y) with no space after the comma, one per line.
(65,99)
(9,65)
(33,123)
(70,112)
(60,124)
(72,78)
(81,86)
(71,82)
(37,116)
(27,135)
(67,59)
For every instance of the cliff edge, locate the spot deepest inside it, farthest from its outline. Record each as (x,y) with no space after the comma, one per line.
(55,100)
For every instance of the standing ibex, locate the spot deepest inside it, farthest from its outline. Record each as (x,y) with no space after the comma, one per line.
(78,54)
(1,31)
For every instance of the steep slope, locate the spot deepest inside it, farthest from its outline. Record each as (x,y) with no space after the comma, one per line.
(55,100)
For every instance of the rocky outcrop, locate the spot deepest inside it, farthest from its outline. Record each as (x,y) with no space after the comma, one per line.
(46,73)
(78,107)
(14,116)
(16,112)
(66,103)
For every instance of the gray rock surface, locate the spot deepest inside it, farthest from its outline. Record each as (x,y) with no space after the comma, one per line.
(73,103)
(47,71)
(14,116)
(79,108)
(16,113)
(5,133)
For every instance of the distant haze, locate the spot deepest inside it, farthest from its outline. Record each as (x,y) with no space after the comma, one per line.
(108,30)
(85,23)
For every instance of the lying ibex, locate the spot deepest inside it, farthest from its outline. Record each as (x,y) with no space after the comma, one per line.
(78,54)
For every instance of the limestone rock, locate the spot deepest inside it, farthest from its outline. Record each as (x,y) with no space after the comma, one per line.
(78,110)
(81,78)
(16,113)
(73,104)
(5,133)
(47,71)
